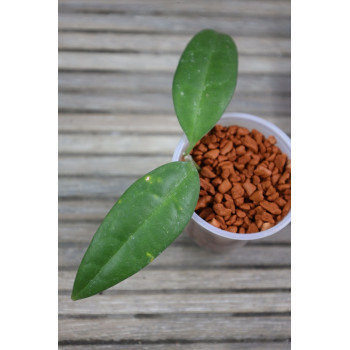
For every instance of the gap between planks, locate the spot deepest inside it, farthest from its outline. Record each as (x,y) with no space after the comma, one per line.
(138,124)
(194,8)
(282,344)
(161,43)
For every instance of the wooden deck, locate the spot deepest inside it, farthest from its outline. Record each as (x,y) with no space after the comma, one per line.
(116,122)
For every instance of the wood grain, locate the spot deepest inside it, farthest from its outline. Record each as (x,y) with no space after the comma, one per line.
(220,280)
(164,43)
(116,63)
(164,303)
(266,8)
(73,81)
(109,102)
(282,345)
(132,123)
(94,187)
(117,143)
(152,24)
(135,123)
(89,209)
(193,256)
(102,61)
(192,328)
(110,165)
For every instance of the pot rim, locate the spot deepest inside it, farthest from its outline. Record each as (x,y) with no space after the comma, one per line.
(282,138)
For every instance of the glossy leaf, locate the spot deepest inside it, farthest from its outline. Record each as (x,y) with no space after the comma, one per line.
(204,82)
(147,218)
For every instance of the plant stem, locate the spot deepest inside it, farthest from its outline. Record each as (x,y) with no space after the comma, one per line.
(188,158)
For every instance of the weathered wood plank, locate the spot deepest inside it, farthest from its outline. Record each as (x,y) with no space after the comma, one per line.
(247,26)
(162,82)
(164,43)
(146,103)
(213,328)
(168,303)
(93,187)
(109,165)
(117,143)
(82,232)
(220,279)
(193,256)
(91,209)
(134,123)
(177,346)
(160,63)
(255,8)
(262,31)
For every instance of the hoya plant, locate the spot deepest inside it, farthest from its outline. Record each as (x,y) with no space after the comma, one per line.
(155,209)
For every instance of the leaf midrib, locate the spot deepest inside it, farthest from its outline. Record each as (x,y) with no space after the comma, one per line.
(203,91)
(166,198)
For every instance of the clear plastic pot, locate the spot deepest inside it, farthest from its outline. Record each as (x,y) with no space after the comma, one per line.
(210,237)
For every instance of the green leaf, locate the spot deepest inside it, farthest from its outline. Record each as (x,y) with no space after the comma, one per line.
(147,218)
(204,83)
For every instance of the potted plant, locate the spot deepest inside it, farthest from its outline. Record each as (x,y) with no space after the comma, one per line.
(155,210)
(221,240)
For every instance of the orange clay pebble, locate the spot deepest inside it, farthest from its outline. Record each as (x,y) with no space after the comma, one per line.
(237,191)
(250,143)
(240,213)
(214,222)
(262,172)
(225,186)
(207,186)
(213,154)
(221,210)
(245,180)
(257,196)
(206,172)
(228,145)
(218,197)
(249,188)
(252,228)
(271,207)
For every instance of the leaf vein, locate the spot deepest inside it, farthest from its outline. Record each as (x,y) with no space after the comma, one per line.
(169,196)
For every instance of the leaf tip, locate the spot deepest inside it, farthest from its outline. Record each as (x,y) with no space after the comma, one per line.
(74,295)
